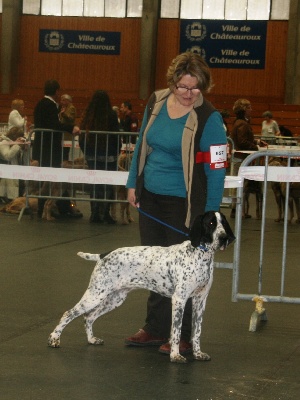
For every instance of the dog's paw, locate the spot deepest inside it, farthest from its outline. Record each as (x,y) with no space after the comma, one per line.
(53,341)
(96,341)
(201,356)
(178,359)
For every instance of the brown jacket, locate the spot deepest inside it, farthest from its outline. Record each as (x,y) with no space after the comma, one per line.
(243,138)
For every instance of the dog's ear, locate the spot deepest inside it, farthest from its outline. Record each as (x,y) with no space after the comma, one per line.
(195,231)
(202,229)
(228,230)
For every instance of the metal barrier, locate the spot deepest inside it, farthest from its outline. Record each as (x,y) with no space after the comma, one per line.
(264,173)
(98,167)
(79,179)
(279,140)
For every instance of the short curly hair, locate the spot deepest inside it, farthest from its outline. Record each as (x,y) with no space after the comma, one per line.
(17,103)
(193,64)
(240,106)
(267,114)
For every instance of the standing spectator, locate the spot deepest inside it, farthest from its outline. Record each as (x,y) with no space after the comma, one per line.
(100,150)
(129,121)
(16,116)
(173,179)
(242,136)
(67,116)
(269,127)
(47,146)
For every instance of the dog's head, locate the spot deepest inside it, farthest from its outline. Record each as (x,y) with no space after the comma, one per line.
(213,229)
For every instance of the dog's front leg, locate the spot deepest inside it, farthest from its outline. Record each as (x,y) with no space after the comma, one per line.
(199,303)
(177,314)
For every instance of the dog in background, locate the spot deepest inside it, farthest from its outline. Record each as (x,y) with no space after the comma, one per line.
(124,165)
(16,205)
(180,271)
(56,188)
(279,190)
(293,200)
(19,203)
(252,187)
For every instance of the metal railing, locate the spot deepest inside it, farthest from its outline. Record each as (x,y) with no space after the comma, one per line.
(265,173)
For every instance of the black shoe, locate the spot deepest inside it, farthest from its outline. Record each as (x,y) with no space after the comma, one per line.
(94,218)
(108,219)
(56,214)
(74,214)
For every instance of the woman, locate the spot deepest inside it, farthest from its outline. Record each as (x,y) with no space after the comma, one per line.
(100,150)
(269,127)
(16,116)
(173,177)
(243,137)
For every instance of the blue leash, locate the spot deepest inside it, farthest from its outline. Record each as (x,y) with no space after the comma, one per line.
(167,225)
(161,222)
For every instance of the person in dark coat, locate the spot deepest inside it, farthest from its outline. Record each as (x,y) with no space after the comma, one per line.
(47,146)
(101,150)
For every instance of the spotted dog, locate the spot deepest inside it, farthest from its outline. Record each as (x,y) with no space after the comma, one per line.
(179,271)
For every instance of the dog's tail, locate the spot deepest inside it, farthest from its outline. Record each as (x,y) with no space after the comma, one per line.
(89,256)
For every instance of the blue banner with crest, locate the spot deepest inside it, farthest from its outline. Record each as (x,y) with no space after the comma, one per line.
(226,44)
(80,42)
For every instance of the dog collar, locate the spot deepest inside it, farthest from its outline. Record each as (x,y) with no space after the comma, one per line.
(201,247)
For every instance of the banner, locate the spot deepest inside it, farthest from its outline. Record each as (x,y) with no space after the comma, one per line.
(80,42)
(226,44)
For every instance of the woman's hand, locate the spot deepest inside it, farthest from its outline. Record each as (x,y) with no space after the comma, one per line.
(76,131)
(131,197)
(263,143)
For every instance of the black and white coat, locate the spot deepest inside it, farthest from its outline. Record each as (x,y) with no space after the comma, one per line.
(179,271)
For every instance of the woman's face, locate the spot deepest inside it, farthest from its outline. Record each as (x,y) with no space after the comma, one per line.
(186,90)
(19,107)
(248,111)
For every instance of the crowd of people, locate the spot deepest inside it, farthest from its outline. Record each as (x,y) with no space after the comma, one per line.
(55,123)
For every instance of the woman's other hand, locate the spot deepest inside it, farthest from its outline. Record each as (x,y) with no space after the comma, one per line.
(131,197)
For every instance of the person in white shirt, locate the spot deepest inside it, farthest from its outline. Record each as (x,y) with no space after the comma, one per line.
(269,127)
(16,117)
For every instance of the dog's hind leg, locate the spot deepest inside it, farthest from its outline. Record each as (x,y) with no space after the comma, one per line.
(68,316)
(297,207)
(246,204)
(111,302)
(88,302)
(279,200)
(259,199)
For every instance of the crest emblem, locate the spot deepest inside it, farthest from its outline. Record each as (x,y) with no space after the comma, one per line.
(195,31)
(54,41)
(198,50)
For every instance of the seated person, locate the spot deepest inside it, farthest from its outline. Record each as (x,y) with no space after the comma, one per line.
(14,152)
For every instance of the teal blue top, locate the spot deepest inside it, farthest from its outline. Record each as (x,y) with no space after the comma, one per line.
(163,172)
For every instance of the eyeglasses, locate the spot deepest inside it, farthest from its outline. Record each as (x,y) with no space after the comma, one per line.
(184,89)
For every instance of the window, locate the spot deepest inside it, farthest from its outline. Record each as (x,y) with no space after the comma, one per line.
(184,9)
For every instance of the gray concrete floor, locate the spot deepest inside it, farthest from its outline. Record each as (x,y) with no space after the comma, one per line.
(41,276)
